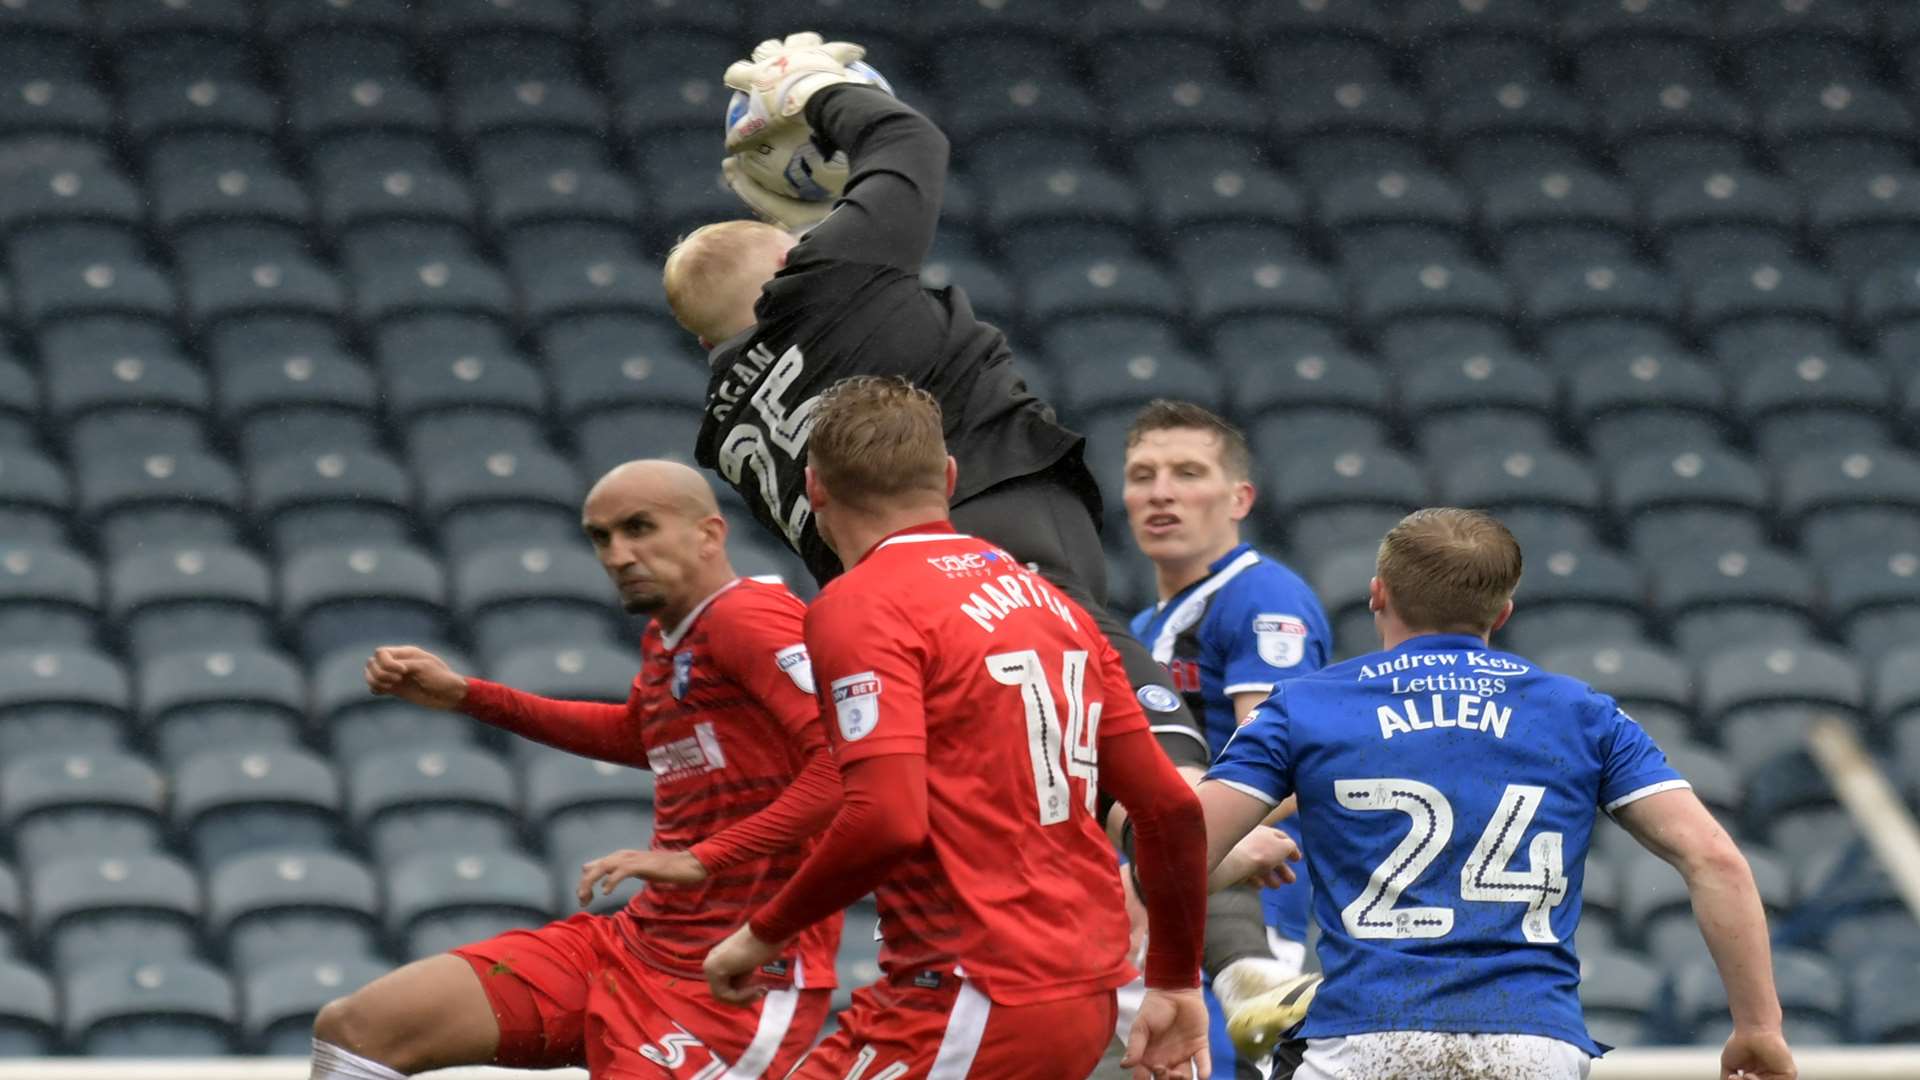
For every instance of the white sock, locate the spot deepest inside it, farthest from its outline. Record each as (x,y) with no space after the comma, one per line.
(330,1062)
(1245,979)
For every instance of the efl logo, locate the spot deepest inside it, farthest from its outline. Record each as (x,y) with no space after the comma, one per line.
(856,704)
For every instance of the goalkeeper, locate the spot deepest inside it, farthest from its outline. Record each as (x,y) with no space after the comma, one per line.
(783,319)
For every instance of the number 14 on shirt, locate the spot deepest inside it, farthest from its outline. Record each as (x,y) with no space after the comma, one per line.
(1046,738)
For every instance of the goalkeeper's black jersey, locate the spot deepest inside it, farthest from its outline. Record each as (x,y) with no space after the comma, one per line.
(850,302)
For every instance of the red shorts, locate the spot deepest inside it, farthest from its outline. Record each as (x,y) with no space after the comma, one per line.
(572,993)
(894,1033)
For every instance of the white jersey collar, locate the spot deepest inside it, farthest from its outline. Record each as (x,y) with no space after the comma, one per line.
(671,638)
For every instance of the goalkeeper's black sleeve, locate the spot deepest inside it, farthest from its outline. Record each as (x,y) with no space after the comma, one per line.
(898,171)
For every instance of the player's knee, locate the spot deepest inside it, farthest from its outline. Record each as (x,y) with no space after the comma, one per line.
(347,1022)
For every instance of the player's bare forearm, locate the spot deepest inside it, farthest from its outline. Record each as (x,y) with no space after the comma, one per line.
(589,728)
(806,806)
(897,161)
(1230,815)
(1677,827)
(882,819)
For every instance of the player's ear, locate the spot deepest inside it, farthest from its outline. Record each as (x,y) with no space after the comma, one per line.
(1376,596)
(1500,620)
(816,492)
(953,475)
(713,529)
(1241,503)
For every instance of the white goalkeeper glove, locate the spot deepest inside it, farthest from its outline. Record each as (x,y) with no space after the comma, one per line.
(794,215)
(781,77)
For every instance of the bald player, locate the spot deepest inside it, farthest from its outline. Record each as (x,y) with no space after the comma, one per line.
(723,712)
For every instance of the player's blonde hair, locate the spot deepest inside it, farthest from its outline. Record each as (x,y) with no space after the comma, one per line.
(1447,569)
(707,271)
(876,439)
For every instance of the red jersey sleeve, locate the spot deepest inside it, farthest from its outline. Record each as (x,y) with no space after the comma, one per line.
(760,646)
(869,661)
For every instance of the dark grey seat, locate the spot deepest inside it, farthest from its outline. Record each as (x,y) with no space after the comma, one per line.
(57,803)
(271,906)
(220,699)
(116,908)
(178,1007)
(234,802)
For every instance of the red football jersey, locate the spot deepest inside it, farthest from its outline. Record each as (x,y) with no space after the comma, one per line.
(943,645)
(726,708)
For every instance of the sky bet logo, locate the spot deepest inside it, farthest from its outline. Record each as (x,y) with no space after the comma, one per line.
(973,562)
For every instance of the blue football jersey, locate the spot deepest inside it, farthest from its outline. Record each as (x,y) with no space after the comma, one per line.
(1448,793)
(1250,623)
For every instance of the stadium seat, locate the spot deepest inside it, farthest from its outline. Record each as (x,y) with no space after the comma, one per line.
(479,43)
(1040,217)
(478,498)
(529,594)
(517,125)
(1668,501)
(583,809)
(301,402)
(55,217)
(1867,220)
(188,102)
(35,497)
(1709,600)
(571,288)
(1090,306)
(48,596)
(1882,1012)
(1538,220)
(1341,583)
(119,908)
(61,698)
(167,1007)
(1791,804)
(1676,123)
(1251,311)
(612,436)
(1228,215)
(1766,309)
(291,903)
(1838,125)
(1887,314)
(127,497)
(120,288)
(1093,387)
(28,1012)
(1582,310)
(378,218)
(1575,595)
(57,803)
(1379,218)
(108,404)
(543,214)
(1632,404)
(1308,402)
(317,42)
(357,723)
(1706,223)
(1619,993)
(1021,118)
(189,599)
(1457,47)
(47,40)
(306,500)
(1331,500)
(1872,594)
(406,803)
(1790,403)
(282,997)
(379,123)
(1456,404)
(991,295)
(1505,125)
(1545,496)
(1762,697)
(439,899)
(19,403)
(234,301)
(1183,129)
(1351,125)
(1648,683)
(435,284)
(1781,47)
(1413,310)
(52,105)
(192,701)
(625,371)
(1830,498)
(229,803)
(345,595)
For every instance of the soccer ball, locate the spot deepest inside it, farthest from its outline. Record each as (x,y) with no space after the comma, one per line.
(784,159)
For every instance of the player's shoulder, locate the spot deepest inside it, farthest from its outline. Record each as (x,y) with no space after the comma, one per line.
(754,603)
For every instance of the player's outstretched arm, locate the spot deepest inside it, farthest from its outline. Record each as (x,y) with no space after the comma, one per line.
(897,177)
(589,728)
(1675,826)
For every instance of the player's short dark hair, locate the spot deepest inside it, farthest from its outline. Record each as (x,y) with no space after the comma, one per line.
(1447,569)
(1162,414)
(877,438)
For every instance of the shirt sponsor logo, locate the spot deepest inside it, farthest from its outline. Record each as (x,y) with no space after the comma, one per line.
(856,705)
(682,674)
(697,753)
(1282,639)
(1157,699)
(798,666)
(971,562)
